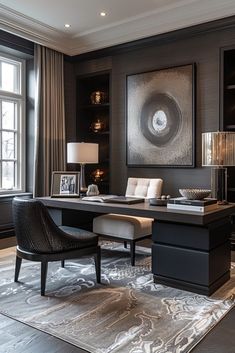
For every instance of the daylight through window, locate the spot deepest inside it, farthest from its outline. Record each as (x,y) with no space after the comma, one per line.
(12,104)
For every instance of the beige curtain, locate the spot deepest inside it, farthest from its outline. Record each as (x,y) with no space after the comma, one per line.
(50,118)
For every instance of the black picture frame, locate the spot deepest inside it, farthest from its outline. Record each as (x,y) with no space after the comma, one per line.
(160,117)
(65,184)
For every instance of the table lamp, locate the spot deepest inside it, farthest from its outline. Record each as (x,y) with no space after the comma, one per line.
(82,153)
(218,151)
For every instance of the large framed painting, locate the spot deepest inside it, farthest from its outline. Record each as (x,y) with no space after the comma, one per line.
(161,118)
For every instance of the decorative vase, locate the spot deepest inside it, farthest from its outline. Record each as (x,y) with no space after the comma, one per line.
(98,125)
(98,97)
(98,175)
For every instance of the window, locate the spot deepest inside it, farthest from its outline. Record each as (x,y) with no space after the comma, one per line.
(12,118)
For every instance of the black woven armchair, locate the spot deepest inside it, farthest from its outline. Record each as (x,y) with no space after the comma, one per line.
(40,239)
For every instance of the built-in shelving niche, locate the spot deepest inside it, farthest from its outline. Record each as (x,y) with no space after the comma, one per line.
(93,124)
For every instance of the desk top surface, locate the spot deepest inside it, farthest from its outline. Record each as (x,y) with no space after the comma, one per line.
(160,213)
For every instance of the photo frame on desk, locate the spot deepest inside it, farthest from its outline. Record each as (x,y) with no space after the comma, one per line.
(65,184)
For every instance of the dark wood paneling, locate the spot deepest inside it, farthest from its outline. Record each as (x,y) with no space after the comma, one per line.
(207,107)
(201,49)
(6,219)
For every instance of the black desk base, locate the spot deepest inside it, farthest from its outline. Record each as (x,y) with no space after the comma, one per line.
(190,257)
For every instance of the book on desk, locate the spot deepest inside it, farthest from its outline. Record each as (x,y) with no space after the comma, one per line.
(183,204)
(114,199)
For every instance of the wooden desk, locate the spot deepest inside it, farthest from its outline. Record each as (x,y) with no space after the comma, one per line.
(190,250)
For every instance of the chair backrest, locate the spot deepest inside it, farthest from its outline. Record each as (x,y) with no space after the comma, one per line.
(34,228)
(144,187)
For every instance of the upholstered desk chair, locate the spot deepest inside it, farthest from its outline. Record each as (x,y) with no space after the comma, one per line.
(130,228)
(40,239)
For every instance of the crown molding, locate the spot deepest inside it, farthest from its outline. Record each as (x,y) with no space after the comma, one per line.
(183,14)
(176,16)
(16,23)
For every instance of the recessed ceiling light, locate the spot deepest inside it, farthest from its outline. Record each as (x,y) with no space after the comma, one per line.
(67,25)
(102,13)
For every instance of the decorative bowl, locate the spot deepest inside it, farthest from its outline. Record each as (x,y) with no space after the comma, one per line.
(194,194)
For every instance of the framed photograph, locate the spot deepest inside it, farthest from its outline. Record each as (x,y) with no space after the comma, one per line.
(161,118)
(65,184)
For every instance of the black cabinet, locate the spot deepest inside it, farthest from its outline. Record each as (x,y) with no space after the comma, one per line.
(93,117)
(191,257)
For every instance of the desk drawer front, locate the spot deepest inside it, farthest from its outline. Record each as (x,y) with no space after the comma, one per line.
(196,237)
(190,265)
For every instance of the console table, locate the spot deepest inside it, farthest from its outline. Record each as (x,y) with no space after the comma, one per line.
(190,250)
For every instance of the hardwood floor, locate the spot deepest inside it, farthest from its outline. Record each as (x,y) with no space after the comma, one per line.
(16,337)
(221,339)
(20,338)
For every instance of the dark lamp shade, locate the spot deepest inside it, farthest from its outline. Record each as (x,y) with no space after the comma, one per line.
(218,148)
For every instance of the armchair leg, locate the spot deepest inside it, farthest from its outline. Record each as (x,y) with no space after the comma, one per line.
(62,263)
(132,248)
(98,264)
(17,267)
(44,266)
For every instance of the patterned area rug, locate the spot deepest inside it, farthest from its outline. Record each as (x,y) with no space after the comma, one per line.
(127,313)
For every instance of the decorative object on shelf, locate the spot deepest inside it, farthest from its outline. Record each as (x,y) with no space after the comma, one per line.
(98,125)
(65,184)
(218,151)
(98,97)
(194,194)
(92,190)
(98,175)
(160,117)
(82,153)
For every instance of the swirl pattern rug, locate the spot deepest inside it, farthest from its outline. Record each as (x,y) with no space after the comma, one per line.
(127,313)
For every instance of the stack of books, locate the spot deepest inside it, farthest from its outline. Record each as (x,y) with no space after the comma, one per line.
(183,204)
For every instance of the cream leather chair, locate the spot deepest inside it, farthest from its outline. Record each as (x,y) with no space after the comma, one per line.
(130,228)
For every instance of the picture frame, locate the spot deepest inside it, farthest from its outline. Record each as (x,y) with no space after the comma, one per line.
(65,184)
(160,118)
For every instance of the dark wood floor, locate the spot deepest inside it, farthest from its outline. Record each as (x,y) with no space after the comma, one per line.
(20,338)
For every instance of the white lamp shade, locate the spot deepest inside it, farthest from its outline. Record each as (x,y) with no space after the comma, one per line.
(81,152)
(218,148)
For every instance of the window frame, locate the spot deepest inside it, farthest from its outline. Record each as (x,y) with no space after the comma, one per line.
(20,99)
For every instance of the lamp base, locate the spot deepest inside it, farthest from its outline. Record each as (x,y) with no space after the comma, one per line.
(219,184)
(83,188)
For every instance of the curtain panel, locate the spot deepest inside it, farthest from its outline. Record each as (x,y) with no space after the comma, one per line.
(50,118)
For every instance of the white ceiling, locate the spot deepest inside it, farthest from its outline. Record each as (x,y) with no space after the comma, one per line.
(43,21)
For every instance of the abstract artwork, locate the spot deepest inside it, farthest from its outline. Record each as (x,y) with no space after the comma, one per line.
(160,117)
